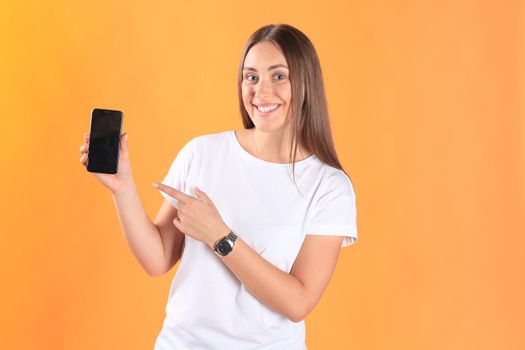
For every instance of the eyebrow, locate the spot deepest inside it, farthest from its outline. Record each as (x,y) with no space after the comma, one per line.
(269,68)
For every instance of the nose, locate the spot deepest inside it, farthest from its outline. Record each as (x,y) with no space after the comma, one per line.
(263,88)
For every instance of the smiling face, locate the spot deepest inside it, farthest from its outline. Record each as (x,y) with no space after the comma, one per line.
(266,89)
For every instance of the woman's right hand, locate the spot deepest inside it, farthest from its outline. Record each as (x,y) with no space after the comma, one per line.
(114,182)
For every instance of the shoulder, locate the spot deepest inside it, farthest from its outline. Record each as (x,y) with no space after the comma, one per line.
(202,146)
(331,177)
(331,184)
(210,139)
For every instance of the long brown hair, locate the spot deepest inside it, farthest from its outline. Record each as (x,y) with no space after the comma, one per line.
(308,109)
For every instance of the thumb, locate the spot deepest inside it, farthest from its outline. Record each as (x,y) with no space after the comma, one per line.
(201,195)
(124,141)
(177,223)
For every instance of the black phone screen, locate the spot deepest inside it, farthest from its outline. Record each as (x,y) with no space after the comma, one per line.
(104,141)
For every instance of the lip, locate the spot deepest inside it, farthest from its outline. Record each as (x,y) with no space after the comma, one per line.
(266,104)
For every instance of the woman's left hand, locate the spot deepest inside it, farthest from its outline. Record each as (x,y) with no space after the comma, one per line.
(198,216)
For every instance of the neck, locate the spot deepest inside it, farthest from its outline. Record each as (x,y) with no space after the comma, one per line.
(274,146)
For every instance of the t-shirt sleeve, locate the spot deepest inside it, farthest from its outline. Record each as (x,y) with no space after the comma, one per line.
(179,170)
(334,211)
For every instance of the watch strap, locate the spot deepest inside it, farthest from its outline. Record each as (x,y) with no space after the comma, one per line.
(231,236)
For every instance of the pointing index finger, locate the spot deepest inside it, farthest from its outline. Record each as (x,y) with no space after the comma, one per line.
(178,195)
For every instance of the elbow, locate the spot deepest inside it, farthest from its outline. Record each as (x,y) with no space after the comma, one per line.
(164,269)
(302,305)
(300,310)
(154,272)
(297,316)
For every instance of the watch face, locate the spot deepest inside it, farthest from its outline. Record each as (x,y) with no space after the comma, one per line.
(224,247)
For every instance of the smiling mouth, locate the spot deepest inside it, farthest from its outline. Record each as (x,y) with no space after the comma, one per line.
(267,109)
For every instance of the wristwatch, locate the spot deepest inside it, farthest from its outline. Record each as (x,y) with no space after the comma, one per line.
(225,245)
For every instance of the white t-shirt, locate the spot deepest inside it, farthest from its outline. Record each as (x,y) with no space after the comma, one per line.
(208,307)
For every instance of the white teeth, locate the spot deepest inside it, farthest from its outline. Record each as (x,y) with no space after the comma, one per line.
(267,108)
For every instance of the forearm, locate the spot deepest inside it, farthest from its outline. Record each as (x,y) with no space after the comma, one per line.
(141,235)
(270,285)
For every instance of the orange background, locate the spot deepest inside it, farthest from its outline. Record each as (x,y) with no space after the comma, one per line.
(426,102)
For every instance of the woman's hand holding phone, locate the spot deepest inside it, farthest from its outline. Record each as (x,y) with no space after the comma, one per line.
(123,178)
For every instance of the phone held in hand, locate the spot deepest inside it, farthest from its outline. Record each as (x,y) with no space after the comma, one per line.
(104,141)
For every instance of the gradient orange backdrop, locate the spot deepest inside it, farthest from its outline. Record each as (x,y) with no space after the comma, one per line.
(426,102)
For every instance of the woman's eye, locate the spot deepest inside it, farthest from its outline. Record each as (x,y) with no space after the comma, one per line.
(251,77)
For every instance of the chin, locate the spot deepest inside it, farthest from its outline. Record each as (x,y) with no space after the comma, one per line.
(269,127)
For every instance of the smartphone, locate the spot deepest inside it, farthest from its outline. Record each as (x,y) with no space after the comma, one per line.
(104,141)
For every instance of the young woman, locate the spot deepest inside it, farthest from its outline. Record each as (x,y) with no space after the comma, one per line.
(256,216)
